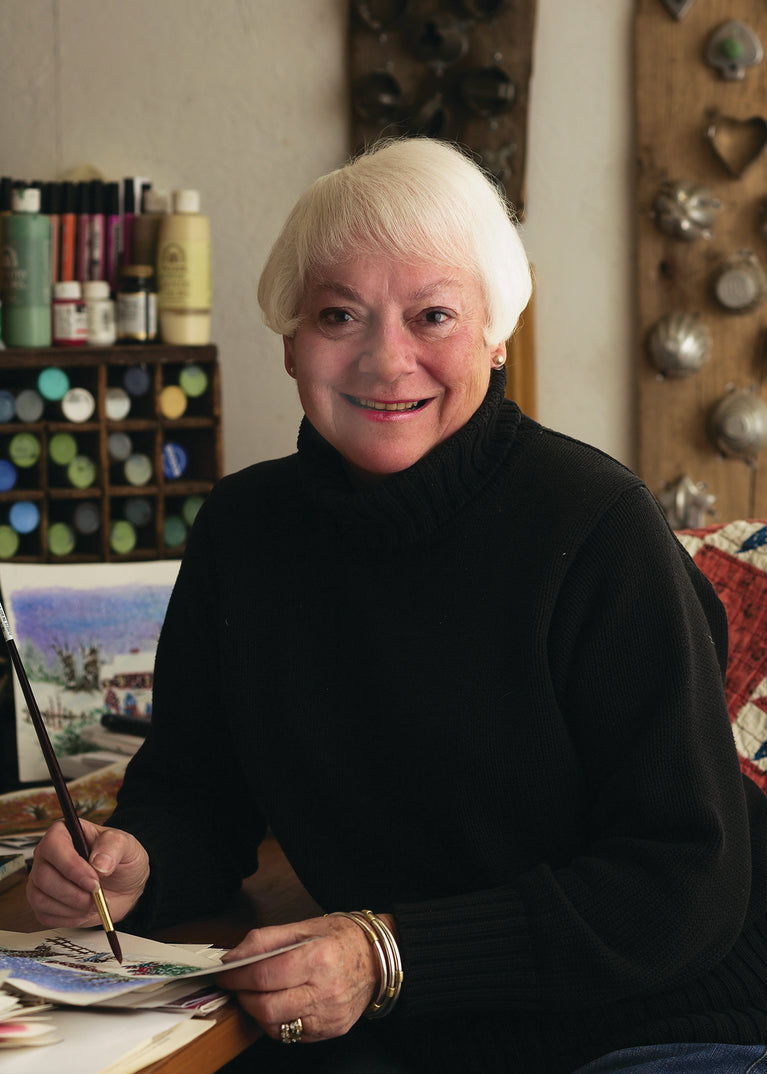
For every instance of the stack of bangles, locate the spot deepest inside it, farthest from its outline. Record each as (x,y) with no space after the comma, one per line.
(385,946)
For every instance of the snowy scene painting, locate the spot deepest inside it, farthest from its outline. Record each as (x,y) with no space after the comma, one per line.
(87,635)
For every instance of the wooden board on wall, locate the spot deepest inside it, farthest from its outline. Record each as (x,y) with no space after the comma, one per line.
(520,363)
(677,94)
(452,69)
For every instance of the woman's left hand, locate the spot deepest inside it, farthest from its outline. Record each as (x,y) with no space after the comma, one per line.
(327,983)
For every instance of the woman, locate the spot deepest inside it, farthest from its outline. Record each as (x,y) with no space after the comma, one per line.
(462,668)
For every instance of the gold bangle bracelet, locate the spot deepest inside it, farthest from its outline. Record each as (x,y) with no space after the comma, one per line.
(394,974)
(375,943)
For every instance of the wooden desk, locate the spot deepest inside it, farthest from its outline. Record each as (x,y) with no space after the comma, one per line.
(272,896)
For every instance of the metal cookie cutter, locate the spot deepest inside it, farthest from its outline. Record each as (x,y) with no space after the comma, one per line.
(736,142)
(732,48)
(678,8)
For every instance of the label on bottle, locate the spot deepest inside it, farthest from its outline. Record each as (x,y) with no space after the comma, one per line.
(183,275)
(26,271)
(137,315)
(70,325)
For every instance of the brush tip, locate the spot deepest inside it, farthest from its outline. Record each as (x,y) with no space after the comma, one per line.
(114,943)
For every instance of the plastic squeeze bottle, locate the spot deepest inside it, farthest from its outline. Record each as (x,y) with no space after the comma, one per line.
(26,272)
(184,271)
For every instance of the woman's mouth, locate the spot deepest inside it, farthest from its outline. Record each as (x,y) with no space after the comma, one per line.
(374,404)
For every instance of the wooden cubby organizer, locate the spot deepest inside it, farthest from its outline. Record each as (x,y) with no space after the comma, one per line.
(97,369)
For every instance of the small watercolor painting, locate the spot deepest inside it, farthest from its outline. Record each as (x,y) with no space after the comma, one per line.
(87,635)
(75,966)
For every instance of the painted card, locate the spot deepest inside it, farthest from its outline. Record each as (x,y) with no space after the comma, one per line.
(77,967)
(87,635)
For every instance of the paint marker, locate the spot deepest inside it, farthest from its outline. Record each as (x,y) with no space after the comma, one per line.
(112,233)
(51,208)
(126,232)
(83,232)
(97,260)
(68,228)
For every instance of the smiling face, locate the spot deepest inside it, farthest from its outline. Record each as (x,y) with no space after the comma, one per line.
(390,359)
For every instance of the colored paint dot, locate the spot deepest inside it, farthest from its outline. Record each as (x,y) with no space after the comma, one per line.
(138,470)
(53,384)
(174,531)
(8,475)
(122,537)
(24,516)
(62,448)
(81,472)
(29,405)
(173,402)
(174,460)
(9,542)
(78,405)
(61,539)
(24,449)
(193,381)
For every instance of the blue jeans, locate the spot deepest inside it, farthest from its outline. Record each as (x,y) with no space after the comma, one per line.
(682,1059)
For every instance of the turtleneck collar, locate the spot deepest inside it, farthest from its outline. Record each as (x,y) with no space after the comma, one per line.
(408,505)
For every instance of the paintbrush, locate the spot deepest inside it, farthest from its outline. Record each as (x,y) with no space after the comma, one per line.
(71,819)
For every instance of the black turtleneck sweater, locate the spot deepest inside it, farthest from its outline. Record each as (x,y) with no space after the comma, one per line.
(485,694)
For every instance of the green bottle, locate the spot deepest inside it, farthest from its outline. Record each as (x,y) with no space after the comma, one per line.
(26,272)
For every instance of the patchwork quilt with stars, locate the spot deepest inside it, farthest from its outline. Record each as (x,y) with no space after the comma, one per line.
(733,556)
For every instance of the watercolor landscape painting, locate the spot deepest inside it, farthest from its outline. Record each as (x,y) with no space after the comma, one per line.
(87,634)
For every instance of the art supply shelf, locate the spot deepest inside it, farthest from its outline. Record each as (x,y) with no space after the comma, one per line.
(105,453)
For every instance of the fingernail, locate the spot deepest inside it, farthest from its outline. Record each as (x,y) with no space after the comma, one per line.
(103,864)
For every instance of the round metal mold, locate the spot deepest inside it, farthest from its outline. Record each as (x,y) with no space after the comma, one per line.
(679,344)
(438,40)
(377,97)
(741,285)
(686,210)
(487,91)
(738,424)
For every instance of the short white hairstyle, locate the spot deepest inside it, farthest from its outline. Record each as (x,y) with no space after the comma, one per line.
(414,199)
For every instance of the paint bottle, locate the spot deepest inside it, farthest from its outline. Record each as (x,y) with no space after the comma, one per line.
(100,314)
(69,319)
(184,272)
(26,272)
(146,226)
(137,305)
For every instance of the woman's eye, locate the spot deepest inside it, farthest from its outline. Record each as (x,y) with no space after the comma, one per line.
(436,317)
(335,316)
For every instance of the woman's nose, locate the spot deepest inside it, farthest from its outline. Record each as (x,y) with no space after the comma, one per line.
(387,355)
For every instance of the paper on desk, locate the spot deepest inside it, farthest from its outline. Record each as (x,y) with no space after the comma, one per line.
(77,967)
(93,1040)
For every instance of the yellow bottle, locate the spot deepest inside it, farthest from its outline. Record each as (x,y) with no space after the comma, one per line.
(184,272)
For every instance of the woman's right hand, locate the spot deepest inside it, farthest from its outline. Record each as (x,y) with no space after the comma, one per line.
(61,884)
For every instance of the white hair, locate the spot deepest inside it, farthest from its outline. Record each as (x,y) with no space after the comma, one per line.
(415,199)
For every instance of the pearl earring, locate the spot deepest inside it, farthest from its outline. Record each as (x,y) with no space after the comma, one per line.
(292,372)
(499,362)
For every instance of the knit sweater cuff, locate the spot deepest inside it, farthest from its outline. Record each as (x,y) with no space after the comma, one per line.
(466,952)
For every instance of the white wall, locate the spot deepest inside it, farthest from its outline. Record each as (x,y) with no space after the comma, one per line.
(246,100)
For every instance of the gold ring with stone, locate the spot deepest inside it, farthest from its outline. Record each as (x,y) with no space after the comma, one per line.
(290,1032)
